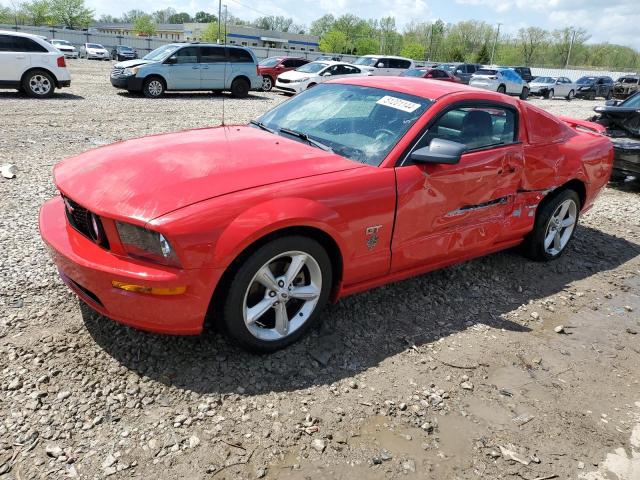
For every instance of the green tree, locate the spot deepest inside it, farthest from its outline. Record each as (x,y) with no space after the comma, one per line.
(457,55)
(71,13)
(322,25)
(182,17)
(204,17)
(366,45)
(483,56)
(275,23)
(413,50)
(5,14)
(38,12)
(530,41)
(334,41)
(210,33)
(144,25)
(163,16)
(132,15)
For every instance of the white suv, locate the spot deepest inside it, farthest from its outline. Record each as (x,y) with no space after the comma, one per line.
(31,65)
(501,80)
(384,64)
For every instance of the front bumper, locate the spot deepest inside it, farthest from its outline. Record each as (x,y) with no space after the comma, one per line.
(68,54)
(89,270)
(131,82)
(626,155)
(539,92)
(584,93)
(101,56)
(290,87)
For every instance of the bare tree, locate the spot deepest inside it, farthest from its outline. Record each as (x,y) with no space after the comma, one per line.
(530,40)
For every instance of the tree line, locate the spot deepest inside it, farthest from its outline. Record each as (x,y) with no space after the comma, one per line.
(469,40)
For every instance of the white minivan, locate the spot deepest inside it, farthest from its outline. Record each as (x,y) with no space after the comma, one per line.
(32,65)
(384,64)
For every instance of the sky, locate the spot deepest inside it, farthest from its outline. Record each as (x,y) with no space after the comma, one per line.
(613,21)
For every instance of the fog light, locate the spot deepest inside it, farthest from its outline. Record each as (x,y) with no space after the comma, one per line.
(148,290)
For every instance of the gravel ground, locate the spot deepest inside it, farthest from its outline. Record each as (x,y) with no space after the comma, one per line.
(456,374)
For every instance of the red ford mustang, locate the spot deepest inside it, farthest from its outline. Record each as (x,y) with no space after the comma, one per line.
(352,184)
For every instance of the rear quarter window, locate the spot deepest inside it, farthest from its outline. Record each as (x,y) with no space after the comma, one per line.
(544,128)
(238,55)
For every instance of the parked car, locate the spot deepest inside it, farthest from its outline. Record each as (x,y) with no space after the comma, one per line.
(313,73)
(65,47)
(384,64)
(94,51)
(31,65)
(464,71)
(431,73)
(621,121)
(626,86)
(271,67)
(591,87)
(524,72)
(501,80)
(123,52)
(190,66)
(353,184)
(549,87)
(331,58)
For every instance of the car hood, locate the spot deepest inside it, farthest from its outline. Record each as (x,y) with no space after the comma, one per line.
(626,118)
(540,85)
(64,47)
(148,177)
(294,75)
(133,63)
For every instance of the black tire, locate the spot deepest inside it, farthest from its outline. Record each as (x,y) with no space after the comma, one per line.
(524,94)
(609,95)
(592,96)
(240,88)
(153,87)
(267,83)
(549,94)
(502,89)
(571,95)
(39,84)
(533,246)
(234,297)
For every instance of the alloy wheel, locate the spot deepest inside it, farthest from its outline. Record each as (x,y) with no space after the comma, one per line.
(39,84)
(267,84)
(282,295)
(560,227)
(155,88)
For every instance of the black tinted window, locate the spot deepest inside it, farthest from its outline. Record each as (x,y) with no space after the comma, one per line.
(187,55)
(239,55)
(6,43)
(290,63)
(212,55)
(9,43)
(301,62)
(398,63)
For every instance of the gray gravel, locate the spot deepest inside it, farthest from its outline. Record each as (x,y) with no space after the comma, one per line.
(456,374)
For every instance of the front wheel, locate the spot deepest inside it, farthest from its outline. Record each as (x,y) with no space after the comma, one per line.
(554,227)
(153,88)
(524,94)
(549,94)
(276,295)
(38,84)
(267,83)
(570,95)
(502,89)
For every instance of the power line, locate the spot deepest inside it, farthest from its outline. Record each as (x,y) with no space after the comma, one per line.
(251,8)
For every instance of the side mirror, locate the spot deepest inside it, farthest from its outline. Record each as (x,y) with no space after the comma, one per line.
(379,65)
(172,60)
(326,74)
(439,151)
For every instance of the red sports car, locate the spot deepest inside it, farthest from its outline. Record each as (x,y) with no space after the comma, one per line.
(353,184)
(431,73)
(270,68)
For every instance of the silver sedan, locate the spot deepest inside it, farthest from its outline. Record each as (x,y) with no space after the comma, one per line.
(549,87)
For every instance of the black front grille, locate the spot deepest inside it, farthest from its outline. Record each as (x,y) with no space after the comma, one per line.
(284,80)
(80,219)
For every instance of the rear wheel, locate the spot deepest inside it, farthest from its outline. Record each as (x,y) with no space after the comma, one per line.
(524,94)
(267,83)
(38,84)
(240,88)
(555,224)
(153,88)
(277,293)
(502,89)
(549,94)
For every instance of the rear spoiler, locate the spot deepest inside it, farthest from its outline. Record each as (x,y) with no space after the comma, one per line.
(583,125)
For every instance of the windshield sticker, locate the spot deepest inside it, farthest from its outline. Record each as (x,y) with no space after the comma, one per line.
(398,103)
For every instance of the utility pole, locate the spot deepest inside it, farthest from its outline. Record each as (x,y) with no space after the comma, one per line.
(495,40)
(225,24)
(219,18)
(431,42)
(573,38)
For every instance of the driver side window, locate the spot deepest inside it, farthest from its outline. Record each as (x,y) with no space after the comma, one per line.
(476,127)
(187,55)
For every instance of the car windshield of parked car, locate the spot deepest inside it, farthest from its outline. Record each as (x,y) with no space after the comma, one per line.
(60,42)
(94,45)
(544,80)
(359,123)
(447,67)
(269,62)
(632,102)
(414,72)
(125,49)
(586,80)
(161,53)
(366,61)
(313,67)
(486,71)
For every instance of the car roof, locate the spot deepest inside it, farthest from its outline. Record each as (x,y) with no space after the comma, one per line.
(410,85)
(21,34)
(385,56)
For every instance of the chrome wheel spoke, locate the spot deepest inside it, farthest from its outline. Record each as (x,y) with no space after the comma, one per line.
(557,241)
(549,239)
(567,222)
(266,278)
(258,310)
(297,262)
(282,319)
(563,210)
(306,292)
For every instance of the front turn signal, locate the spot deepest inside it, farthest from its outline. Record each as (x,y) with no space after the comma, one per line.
(148,290)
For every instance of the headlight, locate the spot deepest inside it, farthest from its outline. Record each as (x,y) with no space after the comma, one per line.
(300,80)
(130,71)
(143,243)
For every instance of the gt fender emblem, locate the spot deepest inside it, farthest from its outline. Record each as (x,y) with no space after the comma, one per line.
(372,236)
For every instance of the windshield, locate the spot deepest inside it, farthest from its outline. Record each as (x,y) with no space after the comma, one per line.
(366,61)
(414,72)
(60,42)
(586,80)
(486,71)
(359,123)
(448,67)
(544,80)
(94,45)
(269,62)
(161,53)
(125,49)
(632,102)
(313,67)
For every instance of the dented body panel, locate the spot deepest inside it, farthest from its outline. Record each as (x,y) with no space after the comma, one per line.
(213,193)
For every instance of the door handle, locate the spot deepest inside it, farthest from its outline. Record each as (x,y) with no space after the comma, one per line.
(195,67)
